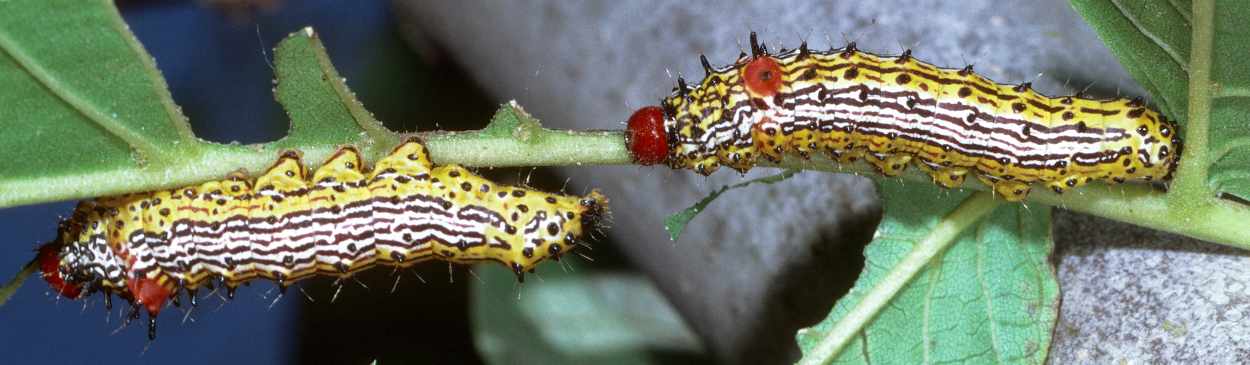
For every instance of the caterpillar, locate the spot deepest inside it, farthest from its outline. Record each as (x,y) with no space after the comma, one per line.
(149,247)
(892,111)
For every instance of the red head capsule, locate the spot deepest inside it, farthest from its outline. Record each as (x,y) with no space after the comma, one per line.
(49,265)
(645,136)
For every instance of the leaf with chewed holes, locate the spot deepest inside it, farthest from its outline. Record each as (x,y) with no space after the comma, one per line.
(88,115)
(320,105)
(82,101)
(93,116)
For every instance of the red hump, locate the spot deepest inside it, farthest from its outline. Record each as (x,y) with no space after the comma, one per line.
(151,294)
(763,76)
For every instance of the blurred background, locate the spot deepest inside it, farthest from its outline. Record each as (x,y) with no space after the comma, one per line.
(750,271)
(216,58)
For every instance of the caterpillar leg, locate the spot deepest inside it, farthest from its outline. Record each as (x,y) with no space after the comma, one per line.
(947,177)
(889,165)
(846,156)
(705,166)
(737,157)
(1068,182)
(771,143)
(804,142)
(1013,190)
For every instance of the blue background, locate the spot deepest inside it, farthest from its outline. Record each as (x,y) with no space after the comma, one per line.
(216,71)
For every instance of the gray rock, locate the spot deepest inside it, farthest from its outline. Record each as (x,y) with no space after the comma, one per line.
(764,261)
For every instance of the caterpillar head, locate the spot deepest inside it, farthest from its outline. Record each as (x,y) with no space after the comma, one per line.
(645,136)
(50,268)
(595,208)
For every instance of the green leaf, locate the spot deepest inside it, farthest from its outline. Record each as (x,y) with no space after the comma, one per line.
(102,106)
(318,101)
(573,316)
(1191,57)
(676,222)
(512,122)
(87,114)
(94,118)
(90,114)
(951,276)
(1151,39)
(1230,110)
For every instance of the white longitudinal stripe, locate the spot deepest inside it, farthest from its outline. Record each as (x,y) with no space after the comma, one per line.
(847,104)
(148,247)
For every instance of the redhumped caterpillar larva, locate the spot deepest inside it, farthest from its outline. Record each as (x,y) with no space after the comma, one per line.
(149,247)
(849,104)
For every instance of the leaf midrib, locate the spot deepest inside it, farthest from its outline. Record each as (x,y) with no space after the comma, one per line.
(140,145)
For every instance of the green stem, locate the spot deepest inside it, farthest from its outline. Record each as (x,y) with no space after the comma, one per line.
(7,291)
(1206,218)
(933,243)
(206,161)
(1232,92)
(1215,220)
(553,148)
(1192,184)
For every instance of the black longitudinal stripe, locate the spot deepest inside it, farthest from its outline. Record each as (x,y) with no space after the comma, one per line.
(1045,108)
(285,231)
(1001,127)
(901,105)
(273,250)
(250,227)
(935,77)
(205,251)
(500,243)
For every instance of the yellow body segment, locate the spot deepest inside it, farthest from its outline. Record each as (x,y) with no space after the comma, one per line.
(285,227)
(895,111)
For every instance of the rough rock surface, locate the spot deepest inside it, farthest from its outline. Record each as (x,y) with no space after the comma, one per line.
(760,262)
